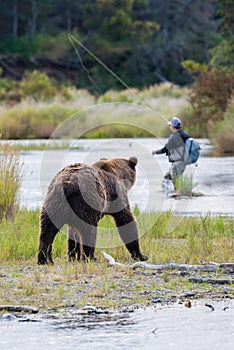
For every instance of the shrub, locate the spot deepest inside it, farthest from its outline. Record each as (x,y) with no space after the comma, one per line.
(30,122)
(114,96)
(38,86)
(10,178)
(223,134)
(210,96)
(163,89)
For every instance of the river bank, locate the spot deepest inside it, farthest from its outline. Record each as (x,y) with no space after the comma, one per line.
(75,285)
(120,308)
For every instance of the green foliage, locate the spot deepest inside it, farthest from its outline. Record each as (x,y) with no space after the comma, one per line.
(222,56)
(54,47)
(143,31)
(142,40)
(225,10)
(11,167)
(222,53)
(114,96)
(5,85)
(38,86)
(194,67)
(22,46)
(117,23)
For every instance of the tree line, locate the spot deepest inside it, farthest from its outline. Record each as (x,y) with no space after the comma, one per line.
(142,41)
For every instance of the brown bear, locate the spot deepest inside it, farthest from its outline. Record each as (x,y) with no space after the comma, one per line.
(79,196)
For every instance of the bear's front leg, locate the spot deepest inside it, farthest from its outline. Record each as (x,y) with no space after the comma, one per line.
(128,232)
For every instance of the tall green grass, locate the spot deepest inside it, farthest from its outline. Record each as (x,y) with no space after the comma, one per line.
(192,240)
(11,171)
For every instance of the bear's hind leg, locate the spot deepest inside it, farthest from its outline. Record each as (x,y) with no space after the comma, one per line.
(89,238)
(47,233)
(75,249)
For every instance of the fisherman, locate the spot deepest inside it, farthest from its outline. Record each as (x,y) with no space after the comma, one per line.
(175,150)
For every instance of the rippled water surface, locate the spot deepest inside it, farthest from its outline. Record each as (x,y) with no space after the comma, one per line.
(214,177)
(176,327)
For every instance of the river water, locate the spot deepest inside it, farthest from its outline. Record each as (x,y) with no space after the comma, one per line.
(177,327)
(213,177)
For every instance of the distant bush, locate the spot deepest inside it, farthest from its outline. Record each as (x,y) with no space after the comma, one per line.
(10,178)
(5,84)
(117,96)
(223,134)
(210,96)
(30,122)
(164,89)
(38,86)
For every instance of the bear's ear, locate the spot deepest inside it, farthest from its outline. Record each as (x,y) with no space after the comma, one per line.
(132,162)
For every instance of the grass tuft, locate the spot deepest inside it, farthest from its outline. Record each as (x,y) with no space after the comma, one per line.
(185,185)
(11,171)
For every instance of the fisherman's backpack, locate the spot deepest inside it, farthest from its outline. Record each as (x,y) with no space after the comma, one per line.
(192,151)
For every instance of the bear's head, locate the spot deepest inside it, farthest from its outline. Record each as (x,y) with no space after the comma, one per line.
(123,169)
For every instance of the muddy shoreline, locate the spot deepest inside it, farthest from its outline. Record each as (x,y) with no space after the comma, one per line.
(63,288)
(115,307)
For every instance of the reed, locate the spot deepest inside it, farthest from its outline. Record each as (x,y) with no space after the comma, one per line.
(11,171)
(184,185)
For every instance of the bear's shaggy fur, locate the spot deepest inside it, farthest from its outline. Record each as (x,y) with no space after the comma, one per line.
(79,195)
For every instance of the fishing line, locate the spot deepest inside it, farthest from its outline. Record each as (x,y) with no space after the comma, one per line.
(81,62)
(73,39)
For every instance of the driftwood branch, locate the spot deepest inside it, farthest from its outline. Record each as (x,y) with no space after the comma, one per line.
(174,266)
(211,281)
(209,267)
(112,261)
(19,308)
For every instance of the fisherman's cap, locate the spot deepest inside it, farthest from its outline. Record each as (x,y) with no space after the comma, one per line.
(175,122)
